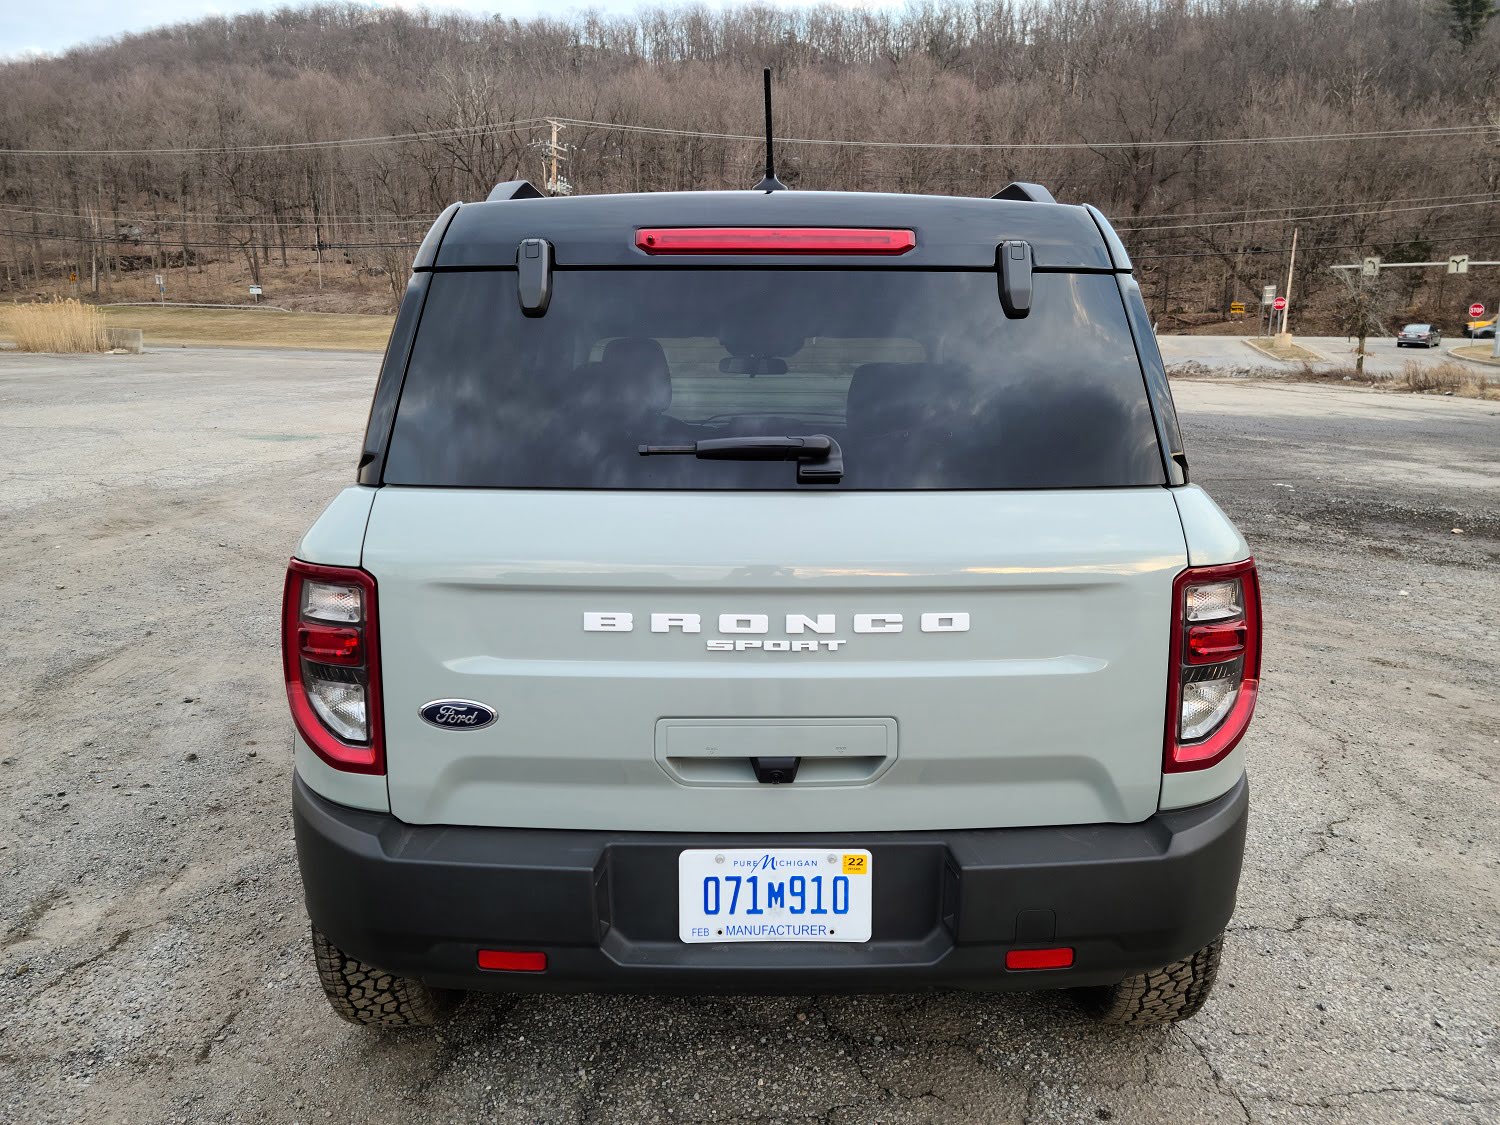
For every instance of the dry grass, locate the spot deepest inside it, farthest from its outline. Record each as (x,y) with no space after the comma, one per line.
(1483,352)
(1448,378)
(1451,377)
(231,328)
(57,326)
(255,328)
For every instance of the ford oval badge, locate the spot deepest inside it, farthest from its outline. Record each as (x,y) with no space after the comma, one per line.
(457,714)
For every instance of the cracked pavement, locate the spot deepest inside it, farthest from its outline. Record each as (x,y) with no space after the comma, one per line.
(154,964)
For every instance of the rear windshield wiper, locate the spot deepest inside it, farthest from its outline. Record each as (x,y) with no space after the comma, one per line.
(819,458)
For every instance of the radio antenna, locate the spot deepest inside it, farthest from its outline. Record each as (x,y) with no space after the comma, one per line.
(770,183)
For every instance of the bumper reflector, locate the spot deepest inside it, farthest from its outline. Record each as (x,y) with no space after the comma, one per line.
(1058,958)
(511,961)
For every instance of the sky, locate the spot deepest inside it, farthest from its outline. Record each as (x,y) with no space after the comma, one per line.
(28,27)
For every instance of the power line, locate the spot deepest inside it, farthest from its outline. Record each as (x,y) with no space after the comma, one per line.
(202,244)
(283,146)
(1309,218)
(1286,207)
(1279,213)
(138,218)
(430,135)
(1281,250)
(1364,135)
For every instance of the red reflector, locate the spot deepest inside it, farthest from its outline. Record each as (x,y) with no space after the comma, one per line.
(774,240)
(329,644)
(509,961)
(1059,958)
(1215,643)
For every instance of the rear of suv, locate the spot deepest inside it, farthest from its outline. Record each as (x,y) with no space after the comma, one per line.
(770,591)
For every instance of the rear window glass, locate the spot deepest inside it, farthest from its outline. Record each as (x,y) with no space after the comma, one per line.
(918,376)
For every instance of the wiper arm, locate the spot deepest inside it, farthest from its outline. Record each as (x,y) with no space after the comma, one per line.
(819,458)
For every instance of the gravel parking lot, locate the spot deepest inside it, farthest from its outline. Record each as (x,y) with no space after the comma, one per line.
(154,962)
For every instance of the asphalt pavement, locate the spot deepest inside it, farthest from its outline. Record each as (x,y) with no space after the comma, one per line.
(154,961)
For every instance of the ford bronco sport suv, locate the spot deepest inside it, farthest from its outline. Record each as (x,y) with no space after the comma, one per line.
(770,591)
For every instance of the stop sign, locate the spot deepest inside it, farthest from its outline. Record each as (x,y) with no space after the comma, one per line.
(1279,304)
(1476,310)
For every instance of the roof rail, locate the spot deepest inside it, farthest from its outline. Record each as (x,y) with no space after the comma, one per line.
(513,189)
(1025,193)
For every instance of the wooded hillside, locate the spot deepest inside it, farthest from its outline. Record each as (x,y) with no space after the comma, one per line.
(232,150)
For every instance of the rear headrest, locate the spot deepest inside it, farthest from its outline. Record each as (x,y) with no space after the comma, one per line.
(891,397)
(637,366)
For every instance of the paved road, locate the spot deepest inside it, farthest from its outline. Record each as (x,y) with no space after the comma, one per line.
(1382,355)
(154,963)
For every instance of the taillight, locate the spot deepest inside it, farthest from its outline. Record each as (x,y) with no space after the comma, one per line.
(774,240)
(331,657)
(1214,674)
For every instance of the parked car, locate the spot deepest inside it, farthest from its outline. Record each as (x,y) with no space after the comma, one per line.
(1418,336)
(771,591)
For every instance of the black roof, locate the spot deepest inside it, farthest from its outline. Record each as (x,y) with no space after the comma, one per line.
(599,230)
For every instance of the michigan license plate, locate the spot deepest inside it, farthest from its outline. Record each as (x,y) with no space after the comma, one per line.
(783,894)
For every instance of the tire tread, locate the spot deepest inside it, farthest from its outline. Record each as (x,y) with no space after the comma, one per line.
(1166,995)
(371,997)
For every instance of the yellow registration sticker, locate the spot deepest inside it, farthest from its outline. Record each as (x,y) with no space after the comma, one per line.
(856,865)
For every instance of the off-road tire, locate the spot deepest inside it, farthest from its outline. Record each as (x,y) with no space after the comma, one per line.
(372,997)
(1166,995)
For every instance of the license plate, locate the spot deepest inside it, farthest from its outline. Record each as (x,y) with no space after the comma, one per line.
(782,894)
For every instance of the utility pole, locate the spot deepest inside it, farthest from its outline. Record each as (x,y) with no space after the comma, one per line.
(1290,268)
(554,153)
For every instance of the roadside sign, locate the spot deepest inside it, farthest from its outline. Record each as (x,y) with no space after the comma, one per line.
(255,290)
(1476,310)
(1268,294)
(1458,263)
(1279,303)
(1370,267)
(1236,308)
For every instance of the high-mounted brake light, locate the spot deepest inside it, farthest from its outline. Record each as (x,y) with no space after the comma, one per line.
(331,659)
(1214,673)
(774,240)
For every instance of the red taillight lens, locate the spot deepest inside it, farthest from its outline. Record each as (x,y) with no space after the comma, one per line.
(331,661)
(329,644)
(512,961)
(774,240)
(1214,644)
(1060,957)
(1214,674)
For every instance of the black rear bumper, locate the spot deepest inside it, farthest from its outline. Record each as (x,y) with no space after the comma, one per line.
(421,902)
